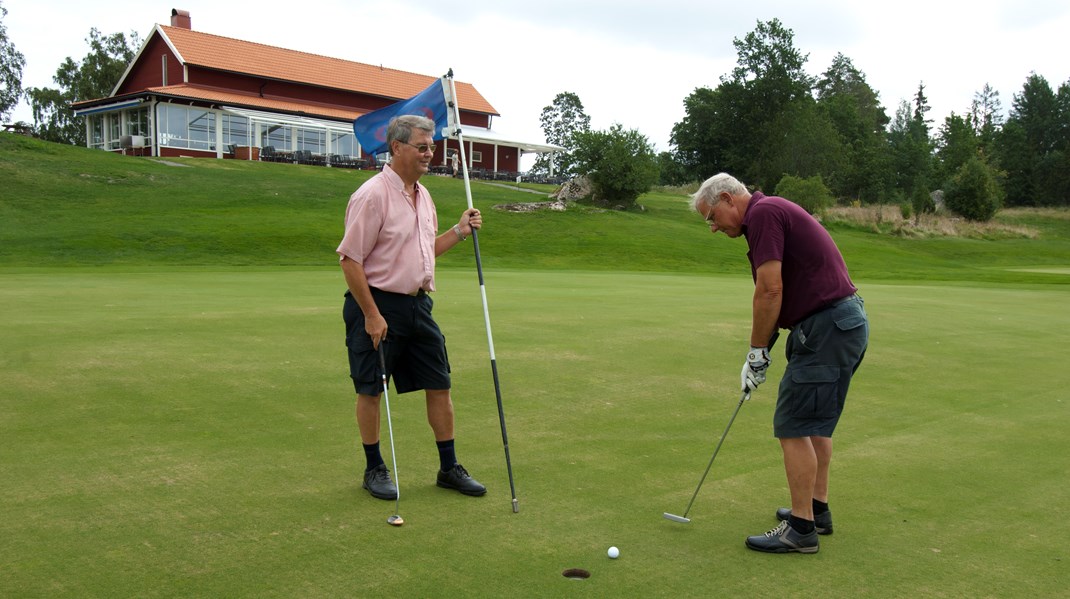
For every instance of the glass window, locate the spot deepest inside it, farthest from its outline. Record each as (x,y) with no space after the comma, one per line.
(137,122)
(96,131)
(273,134)
(343,143)
(172,125)
(477,156)
(115,128)
(235,130)
(182,127)
(314,140)
(201,129)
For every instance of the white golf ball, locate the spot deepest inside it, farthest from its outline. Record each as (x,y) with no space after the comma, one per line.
(614,553)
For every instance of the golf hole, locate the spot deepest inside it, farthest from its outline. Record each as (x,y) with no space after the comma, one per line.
(576,574)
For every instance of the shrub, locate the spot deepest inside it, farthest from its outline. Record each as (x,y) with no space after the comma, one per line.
(810,193)
(620,164)
(974,192)
(904,210)
(922,201)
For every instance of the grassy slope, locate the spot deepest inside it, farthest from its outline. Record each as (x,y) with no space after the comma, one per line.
(72,206)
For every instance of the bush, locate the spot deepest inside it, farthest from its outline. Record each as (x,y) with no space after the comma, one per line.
(905,210)
(922,201)
(621,165)
(974,192)
(810,193)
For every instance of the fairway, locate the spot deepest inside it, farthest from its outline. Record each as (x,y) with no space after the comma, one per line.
(189,433)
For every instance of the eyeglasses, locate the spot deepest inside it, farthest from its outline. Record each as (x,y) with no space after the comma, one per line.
(709,215)
(422,148)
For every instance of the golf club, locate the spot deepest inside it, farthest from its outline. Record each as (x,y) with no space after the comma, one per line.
(744,396)
(396,519)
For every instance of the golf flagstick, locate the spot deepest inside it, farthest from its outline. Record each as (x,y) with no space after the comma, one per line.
(454,113)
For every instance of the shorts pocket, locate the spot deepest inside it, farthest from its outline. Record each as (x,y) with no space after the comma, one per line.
(848,316)
(815,391)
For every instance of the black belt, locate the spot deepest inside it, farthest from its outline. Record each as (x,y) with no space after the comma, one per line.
(419,293)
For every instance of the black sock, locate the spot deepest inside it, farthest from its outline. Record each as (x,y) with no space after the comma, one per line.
(371,452)
(447,457)
(820,507)
(801,526)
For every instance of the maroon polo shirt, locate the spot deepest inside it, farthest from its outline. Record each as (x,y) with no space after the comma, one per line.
(812,268)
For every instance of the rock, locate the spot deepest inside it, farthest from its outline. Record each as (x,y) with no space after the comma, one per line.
(574,189)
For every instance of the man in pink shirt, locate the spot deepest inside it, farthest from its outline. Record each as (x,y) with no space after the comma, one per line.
(388,259)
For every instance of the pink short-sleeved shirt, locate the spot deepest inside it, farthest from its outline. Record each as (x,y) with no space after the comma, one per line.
(390,235)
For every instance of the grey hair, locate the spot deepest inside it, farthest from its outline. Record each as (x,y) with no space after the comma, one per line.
(714,186)
(400,128)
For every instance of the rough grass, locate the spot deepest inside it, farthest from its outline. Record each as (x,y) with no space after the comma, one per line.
(890,221)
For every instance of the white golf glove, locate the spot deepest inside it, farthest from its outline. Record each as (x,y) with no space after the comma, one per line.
(754,368)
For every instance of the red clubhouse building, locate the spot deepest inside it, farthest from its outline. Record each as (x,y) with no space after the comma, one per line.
(188,93)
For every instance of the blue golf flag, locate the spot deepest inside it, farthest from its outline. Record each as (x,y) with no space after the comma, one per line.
(370,128)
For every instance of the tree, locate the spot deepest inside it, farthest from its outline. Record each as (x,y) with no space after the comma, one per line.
(723,127)
(854,109)
(560,122)
(986,117)
(94,77)
(770,71)
(810,193)
(620,164)
(956,143)
(11,64)
(974,192)
(910,146)
(672,172)
(802,142)
(706,140)
(1034,145)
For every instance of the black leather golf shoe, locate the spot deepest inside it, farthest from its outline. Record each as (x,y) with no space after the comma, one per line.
(377,482)
(458,479)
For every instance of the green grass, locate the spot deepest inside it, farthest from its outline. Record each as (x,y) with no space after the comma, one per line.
(65,206)
(190,434)
(176,414)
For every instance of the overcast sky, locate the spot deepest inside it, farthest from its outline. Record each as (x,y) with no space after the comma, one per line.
(630,62)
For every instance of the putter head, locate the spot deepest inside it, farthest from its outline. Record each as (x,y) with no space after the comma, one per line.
(676,518)
(395,520)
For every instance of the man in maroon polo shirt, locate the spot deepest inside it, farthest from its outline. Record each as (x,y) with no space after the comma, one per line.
(800,283)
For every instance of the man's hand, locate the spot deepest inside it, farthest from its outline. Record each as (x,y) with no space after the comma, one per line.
(375,326)
(470,219)
(754,368)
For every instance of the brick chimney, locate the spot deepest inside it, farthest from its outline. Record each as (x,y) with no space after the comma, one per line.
(180,18)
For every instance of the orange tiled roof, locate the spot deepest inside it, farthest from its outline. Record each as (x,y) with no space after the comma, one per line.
(227,54)
(223,96)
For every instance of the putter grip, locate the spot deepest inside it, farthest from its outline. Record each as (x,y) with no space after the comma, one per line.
(772,340)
